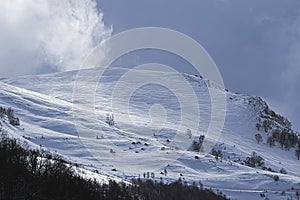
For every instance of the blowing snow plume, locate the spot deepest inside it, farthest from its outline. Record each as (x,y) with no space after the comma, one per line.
(39,36)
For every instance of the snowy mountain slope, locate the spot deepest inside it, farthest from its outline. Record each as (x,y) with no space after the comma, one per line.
(44,105)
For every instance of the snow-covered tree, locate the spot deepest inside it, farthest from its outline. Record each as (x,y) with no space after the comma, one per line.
(271,141)
(297,152)
(258,138)
(110,119)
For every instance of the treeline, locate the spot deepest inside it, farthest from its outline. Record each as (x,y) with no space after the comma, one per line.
(286,139)
(279,131)
(9,113)
(39,175)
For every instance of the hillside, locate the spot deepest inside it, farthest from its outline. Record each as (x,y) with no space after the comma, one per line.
(44,105)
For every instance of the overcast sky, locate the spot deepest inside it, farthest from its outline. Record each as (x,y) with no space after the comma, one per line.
(255,44)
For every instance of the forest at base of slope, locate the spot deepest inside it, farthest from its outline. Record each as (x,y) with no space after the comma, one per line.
(33,174)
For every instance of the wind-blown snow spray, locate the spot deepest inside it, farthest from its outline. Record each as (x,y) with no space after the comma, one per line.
(40,36)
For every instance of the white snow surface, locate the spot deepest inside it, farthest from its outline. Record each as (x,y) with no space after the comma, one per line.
(45,108)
